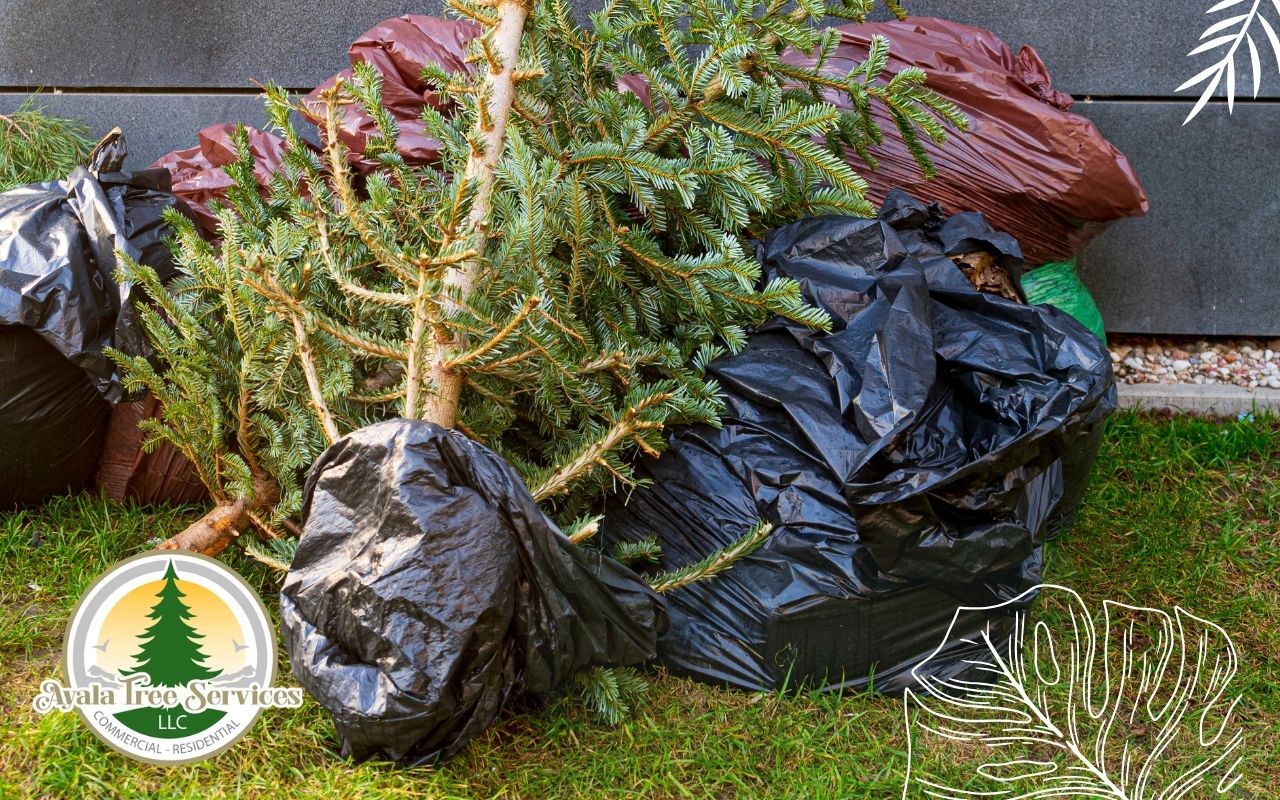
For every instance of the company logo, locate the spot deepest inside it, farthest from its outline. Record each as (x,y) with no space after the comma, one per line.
(169,659)
(1136,705)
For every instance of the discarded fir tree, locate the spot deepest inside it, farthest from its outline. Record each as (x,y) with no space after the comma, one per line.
(553,288)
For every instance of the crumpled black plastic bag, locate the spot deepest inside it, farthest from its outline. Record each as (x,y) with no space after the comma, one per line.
(912,460)
(57,258)
(52,421)
(429,589)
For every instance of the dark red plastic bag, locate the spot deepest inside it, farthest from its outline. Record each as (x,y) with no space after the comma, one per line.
(197,175)
(1034,169)
(126,472)
(398,49)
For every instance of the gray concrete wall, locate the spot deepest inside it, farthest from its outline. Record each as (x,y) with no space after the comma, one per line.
(1203,261)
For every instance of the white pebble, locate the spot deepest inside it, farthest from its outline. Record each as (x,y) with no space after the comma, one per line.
(1242,362)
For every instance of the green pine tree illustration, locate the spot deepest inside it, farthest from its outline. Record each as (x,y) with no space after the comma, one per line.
(170,653)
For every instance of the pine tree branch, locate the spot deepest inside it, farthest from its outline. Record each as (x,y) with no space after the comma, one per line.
(349,204)
(377,399)
(264,526)
(714,564)
(36,147)
(499,337)
(593,454)
(294,308)
(344,279)
(318,404)
(511,360)
(267,557)
(582,530)
(646,550)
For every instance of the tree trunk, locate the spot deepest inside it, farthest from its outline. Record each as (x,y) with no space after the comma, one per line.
(442,406)
(212,533)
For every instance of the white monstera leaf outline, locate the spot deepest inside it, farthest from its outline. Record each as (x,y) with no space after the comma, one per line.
(1230,32)
(1171,686)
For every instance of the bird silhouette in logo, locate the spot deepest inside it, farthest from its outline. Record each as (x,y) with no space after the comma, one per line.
(238,647)
(103,646)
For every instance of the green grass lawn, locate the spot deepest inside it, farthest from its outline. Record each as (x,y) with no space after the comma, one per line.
(1180,512)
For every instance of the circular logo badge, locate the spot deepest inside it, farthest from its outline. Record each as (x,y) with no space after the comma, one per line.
(169,658)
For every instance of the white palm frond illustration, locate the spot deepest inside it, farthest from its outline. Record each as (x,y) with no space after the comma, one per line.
(1136,708)
(1230,32)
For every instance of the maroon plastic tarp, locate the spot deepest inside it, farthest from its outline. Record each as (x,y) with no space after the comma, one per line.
(126,472)
(1043,174)
(1033,168)
(398,49)
(197,175)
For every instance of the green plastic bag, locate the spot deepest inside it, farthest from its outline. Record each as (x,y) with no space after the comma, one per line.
(1057,284)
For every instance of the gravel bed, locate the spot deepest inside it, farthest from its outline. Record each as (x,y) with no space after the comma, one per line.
(1243,362)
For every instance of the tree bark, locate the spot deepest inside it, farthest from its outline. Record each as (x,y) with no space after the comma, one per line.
(212,533)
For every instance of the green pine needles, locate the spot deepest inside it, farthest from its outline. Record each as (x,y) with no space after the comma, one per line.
(555,287)
(35,147)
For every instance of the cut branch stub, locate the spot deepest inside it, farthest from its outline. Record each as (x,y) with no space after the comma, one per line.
(212,533)
(221,524)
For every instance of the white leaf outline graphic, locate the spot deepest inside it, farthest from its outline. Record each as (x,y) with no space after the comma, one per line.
(1195,658)
(1226,66)
(1225,4)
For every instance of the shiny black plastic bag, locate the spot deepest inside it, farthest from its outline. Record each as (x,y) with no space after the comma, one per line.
(428,590)
(911,461)
(60,307)
(52,421)
(57,258)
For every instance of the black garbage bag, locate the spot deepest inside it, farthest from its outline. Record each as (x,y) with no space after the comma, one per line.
(428,590)
(59,300)
(52,421)
(57,257)
(911,461)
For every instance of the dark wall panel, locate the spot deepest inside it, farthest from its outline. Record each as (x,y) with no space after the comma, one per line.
(1092,46)
(1205,260)
(180,43)
(187,43)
